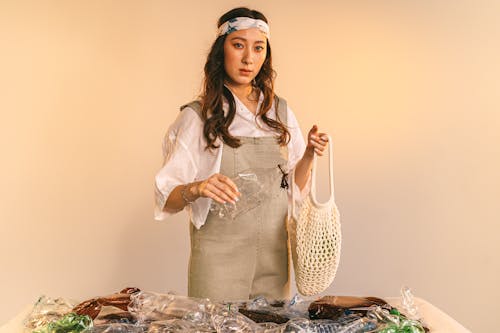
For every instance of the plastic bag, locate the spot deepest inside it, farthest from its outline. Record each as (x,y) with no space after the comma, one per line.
(252,184)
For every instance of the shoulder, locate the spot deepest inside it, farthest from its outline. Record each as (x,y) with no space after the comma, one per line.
(187,120)
(195,105)
(190,111)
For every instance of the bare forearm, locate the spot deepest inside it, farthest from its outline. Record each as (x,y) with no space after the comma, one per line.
(316,144)
(303,169)
(217,187)
(176,201)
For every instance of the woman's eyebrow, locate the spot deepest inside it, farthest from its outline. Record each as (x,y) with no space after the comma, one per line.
(244,39)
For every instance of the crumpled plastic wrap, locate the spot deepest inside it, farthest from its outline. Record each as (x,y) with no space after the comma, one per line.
(46,310)
(252,184)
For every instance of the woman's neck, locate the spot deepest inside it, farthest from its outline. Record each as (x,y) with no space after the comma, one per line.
(243,92)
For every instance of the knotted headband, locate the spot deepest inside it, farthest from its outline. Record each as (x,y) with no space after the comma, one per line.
(240,23)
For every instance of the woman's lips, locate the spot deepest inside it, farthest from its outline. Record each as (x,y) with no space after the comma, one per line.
(245,72)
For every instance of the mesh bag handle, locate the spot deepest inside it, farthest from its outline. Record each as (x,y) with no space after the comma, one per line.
(313,180)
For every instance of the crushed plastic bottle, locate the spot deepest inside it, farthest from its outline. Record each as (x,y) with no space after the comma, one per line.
(297,325)
(270,328)
(382,315)
(258,303)
(176,325)
(408,303)
(117,328)
(405,327)
(297,307)
(149,307)
(359,325)
(348,325)
(227,321)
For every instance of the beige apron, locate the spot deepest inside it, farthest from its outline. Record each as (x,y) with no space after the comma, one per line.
(246,257)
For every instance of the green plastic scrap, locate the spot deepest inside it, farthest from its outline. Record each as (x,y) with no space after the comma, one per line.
(406,326)
(70,323)
(398,323)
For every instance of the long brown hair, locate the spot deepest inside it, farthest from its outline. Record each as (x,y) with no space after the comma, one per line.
(215,123)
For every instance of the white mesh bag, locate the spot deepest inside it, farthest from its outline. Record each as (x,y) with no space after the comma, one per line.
(315,237)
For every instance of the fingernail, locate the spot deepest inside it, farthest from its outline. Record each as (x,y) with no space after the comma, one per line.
(237,199)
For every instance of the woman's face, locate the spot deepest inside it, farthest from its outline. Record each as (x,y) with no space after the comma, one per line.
(244,53)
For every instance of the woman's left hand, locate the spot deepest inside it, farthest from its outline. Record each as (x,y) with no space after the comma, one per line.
(316,142)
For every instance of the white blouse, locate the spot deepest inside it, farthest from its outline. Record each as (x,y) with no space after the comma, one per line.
(186,160)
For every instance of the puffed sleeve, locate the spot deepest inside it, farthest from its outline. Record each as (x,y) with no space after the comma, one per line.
(181,159)
(296,149)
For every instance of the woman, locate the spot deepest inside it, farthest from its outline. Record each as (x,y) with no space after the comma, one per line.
(238,123)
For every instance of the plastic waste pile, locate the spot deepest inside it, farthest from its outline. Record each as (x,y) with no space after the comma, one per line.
(154,312)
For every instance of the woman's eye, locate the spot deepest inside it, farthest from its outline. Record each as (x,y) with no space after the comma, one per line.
(238,45)
(259,48)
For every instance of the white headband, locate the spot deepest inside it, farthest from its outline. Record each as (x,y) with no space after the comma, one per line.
(241,23)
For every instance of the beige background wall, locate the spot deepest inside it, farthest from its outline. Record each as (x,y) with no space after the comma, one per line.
(408,89)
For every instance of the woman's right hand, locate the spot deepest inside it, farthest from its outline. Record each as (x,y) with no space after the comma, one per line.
(219,188)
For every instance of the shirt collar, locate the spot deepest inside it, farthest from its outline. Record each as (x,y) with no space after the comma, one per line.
(238,101)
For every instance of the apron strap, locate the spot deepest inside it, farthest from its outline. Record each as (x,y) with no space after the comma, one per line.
(195,105)
(281,109)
